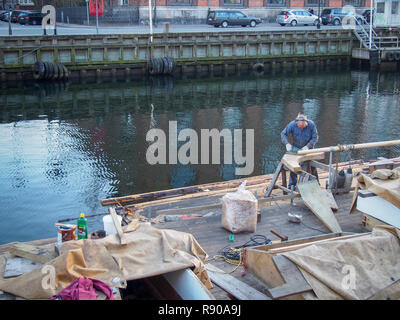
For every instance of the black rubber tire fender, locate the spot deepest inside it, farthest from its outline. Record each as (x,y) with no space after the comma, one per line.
(258,68)
(61,71)
(66,73)
(38,70)
(46,70)
(155,66)
(151,67)
(166,65)
(56,71)
(51,70)
(161,62)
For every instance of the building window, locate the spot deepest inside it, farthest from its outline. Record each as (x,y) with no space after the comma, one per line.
(179,2)
(233,2)
(380,7)
(313,2)
(277,3)
(354,3)
(395,7)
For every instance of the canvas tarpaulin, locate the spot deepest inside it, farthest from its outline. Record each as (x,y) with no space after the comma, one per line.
(149,251)
(388,189)
(354,268)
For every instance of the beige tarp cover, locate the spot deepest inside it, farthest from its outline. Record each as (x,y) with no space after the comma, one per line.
(373,259)
(149,251)
(387,189)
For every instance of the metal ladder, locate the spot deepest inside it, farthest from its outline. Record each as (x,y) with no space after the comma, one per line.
(363,35)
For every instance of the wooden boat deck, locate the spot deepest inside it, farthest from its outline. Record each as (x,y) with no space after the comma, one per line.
(208,231)
(212,237)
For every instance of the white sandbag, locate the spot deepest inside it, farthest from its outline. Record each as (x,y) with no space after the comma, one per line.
(239,210)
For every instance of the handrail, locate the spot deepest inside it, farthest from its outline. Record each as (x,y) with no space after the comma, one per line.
(359,23)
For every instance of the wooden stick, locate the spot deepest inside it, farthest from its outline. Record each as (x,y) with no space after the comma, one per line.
(350,147)
(117,225)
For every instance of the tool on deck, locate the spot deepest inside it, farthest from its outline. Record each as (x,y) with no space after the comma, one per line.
(283,238)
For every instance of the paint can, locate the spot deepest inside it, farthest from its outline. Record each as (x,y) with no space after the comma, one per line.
(65,233)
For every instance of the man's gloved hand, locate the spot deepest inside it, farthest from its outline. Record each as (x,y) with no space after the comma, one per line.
(304,148)
(288,147)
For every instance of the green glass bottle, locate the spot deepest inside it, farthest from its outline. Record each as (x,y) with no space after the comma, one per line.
(82,227)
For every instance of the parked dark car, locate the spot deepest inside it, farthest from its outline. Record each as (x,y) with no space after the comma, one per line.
(34,18)
(231,18)
(5,16)
(335,16)
(367,15)
(2,15)
(15,15)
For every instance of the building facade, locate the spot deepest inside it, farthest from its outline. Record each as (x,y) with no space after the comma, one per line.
(245,3)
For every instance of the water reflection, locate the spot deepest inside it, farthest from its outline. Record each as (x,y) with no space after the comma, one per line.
(65,146)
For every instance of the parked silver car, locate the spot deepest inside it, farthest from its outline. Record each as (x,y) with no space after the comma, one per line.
(296,16)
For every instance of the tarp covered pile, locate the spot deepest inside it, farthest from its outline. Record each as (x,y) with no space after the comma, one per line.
(353,268)
(149,251)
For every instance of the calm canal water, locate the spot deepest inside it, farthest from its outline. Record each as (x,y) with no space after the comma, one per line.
(66,146)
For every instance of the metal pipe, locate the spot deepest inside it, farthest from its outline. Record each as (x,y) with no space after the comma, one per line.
(9,23)
(151,23)
(370,26)
(330,171)
(97,17)
(350,147)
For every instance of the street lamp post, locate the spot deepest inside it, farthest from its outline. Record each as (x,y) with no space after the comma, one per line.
(370,24)
(9,23)
(87,11)
(319,15)
(97,17)
(155,13)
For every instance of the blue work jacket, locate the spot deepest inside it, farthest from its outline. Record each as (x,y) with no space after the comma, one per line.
(301,137)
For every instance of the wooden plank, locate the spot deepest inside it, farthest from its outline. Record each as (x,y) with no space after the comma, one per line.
(295,282)
(235,287)
(315,199)
(34,253)
(292,161)
(117,225)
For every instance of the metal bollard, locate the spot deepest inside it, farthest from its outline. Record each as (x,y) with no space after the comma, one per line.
(166,27)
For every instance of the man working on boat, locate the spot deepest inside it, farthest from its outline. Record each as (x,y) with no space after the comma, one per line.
(304,136)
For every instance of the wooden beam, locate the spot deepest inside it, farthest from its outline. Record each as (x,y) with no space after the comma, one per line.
(292,161)
(235,287)
(295,282)
(177,192)
(33,253)
(191,196)
(117,225)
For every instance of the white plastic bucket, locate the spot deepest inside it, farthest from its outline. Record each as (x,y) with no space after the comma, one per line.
(109,227)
